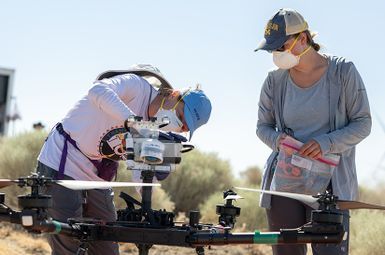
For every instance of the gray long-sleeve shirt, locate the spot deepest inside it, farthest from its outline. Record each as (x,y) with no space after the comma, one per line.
(349,121)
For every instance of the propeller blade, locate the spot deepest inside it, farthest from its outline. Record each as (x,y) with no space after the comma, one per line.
(233,197)
(84,185)
(6,182)
(347,205)
(300,197)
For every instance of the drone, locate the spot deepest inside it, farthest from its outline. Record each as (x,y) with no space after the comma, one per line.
(151,151)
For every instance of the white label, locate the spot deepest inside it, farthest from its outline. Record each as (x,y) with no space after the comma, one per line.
(27,221)
(301,162)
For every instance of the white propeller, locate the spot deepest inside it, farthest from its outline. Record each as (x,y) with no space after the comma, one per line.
(313,201)
(6,182)
(233,197)
(84,185)
(310,200)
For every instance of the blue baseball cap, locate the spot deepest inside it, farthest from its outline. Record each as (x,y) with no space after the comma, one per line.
(197,109)
(280,27)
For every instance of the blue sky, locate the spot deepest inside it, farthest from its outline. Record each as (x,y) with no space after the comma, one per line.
(58,48)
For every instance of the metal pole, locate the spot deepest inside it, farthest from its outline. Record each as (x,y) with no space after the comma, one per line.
(147,191)
(147,177)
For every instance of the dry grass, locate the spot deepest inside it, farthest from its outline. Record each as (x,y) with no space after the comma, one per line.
(16,242)
(367,236)
(127,249)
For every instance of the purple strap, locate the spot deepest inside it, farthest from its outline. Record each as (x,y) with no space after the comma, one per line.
(107,169)
(63,159)
(67,138)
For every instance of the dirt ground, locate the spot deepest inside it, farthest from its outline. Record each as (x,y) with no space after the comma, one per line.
(218,250)
(17,241)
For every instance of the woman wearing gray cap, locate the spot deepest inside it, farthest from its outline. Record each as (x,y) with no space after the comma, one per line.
(79,146)
(318,99)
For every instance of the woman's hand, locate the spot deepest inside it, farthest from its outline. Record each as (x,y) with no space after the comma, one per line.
(311,149)
(280,140)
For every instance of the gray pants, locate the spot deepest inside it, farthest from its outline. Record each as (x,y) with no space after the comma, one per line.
(289,213)
(68,203)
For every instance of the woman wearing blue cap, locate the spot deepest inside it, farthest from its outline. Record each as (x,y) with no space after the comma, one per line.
(319,100)
(78,147)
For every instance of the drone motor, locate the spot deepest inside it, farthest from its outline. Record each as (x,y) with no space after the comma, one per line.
(35,199)
(228,212)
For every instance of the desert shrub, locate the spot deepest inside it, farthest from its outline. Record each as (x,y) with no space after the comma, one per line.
(18,157)
(367,234)
(370,195)
(18,154)
(252,175)
(196,178)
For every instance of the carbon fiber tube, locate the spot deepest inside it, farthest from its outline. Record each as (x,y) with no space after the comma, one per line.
(199,239)
(56,227)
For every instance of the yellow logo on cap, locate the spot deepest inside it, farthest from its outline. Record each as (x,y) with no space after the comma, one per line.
(271,26)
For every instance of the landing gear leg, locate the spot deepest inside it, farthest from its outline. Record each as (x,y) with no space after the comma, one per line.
(200,250)
(144,248)
(83,248)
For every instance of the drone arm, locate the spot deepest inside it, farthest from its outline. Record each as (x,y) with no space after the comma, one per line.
(32,223)
(31,220)
(191,237)
(9,215)
(139,235)
(56,227)
(282,237)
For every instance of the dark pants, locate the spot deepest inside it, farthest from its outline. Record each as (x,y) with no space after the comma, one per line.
(289,213)
(71,204)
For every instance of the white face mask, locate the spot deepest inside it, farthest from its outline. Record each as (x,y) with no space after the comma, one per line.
(286,59)
(175,123)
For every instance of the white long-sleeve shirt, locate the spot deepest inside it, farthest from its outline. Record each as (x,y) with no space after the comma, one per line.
(95,123)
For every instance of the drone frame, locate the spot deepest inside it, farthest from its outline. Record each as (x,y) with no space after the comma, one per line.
(146,227)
